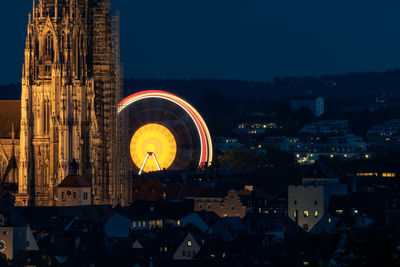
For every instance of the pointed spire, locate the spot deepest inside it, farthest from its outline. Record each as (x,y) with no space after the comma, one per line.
(71,9)
(40,8)
(34,9)
(56,10)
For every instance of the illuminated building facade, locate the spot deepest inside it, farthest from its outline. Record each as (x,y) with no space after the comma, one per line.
(70,90)
(308,203)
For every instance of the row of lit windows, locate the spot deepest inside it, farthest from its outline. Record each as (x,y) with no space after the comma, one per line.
(143,224)
(257,126)
(388,175)
(268,211)
(384,174)
(306,213)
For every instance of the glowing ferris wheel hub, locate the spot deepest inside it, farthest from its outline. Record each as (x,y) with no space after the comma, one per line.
(154,140)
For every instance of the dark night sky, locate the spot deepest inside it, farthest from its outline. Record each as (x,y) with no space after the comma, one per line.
(241,39)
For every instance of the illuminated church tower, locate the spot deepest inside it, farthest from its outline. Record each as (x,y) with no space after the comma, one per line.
(70,90)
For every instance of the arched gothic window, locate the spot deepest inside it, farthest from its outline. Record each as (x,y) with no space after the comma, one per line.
(48,47)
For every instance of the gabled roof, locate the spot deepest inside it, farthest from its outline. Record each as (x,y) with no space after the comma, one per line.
(319,170)
(180,192)
(74,181)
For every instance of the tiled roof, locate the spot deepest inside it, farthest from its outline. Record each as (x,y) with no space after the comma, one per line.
(74,181)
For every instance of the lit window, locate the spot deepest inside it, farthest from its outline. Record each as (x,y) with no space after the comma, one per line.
(316,213)
(189,243)
(295,213)
(305,213)
(339,211)
(330,220)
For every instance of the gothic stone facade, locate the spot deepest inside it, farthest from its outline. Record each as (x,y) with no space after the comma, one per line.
(70,91)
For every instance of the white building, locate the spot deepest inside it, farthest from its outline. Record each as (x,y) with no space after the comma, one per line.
(187,249)
(74,190)
(15,234)
(308,202)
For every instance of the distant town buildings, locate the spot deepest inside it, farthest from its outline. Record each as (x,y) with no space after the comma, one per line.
(386,135)
(254,128)
(326,127)
(226,143)
(329,138)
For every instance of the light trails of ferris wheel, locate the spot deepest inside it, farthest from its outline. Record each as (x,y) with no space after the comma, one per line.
(206,150)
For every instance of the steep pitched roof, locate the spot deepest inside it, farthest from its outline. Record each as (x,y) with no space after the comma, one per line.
(74,181)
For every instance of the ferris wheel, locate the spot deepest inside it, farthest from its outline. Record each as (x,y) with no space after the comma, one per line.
(163,132)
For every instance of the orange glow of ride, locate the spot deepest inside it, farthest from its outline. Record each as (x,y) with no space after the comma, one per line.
(153,138)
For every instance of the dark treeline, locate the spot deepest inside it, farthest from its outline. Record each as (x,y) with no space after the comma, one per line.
(350,86)
(354,87)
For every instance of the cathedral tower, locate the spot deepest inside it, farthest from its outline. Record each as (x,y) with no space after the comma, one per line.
(70,90)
